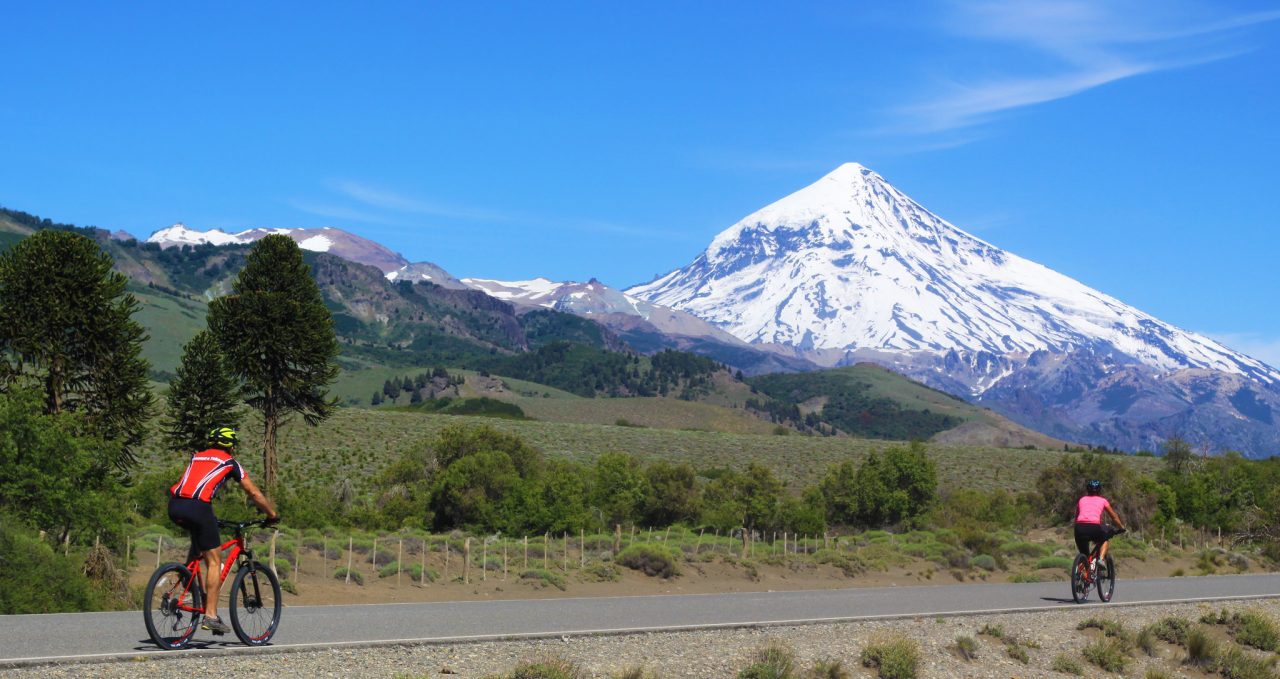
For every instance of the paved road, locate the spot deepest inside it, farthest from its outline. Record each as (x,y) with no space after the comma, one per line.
(26,639)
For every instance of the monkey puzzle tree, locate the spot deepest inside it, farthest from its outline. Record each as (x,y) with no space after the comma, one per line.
(204,395)
(67,331)
(278,339)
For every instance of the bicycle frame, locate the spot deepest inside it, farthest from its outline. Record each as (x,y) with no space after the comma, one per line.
(235,548)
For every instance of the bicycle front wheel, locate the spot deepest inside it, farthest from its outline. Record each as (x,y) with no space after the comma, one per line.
(1106,579)
(255,604)
(166,606)
(1079,579)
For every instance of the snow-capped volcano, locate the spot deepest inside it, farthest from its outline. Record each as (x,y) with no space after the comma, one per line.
(851,264)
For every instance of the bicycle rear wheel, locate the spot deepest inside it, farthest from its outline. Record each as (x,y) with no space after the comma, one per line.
(1079,579)
(1106,579)
(255,604)
(169,625)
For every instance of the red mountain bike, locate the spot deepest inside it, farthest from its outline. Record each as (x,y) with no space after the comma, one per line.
(175,596)
(1102,576)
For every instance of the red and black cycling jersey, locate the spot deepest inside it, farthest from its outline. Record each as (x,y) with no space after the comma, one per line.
(206,473)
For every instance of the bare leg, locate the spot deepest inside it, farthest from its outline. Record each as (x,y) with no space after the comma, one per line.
(212,581)
(1102,554)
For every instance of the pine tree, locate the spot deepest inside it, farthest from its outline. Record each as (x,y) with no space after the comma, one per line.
(278,338)
(67,330)
(202,397)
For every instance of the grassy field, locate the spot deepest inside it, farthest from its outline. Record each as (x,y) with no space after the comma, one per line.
(358,443)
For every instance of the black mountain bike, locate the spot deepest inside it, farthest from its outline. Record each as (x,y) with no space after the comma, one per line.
(1102,576)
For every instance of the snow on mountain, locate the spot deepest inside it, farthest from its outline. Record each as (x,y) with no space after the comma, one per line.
(327,239)
(852,264)
(419,272)
(594,299)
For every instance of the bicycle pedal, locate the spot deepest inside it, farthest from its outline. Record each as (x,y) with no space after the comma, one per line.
(216,633)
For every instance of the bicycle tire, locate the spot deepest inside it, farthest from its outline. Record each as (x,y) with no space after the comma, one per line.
(1106,579)
(169,627)
(255,604)
(1079,585)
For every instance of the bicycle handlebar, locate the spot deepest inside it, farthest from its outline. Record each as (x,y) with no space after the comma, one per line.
(241,525)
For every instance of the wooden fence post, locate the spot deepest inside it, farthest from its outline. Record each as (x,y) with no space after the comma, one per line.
(526,554)
(271,560)
(350,552)
(484,560)
(617,538)
(546,547)
(399,561)
(446,559)
(566,551)
(297,561)
(466,561)
(159,548)
(324,557)
(375,557)
(126,554)
(745,542)
(422,579)
(698,544)
(504,560)
(582,547)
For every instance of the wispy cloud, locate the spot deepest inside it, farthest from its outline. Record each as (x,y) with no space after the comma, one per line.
(1072,46)
(385,199)
(329,211)
(1261,347)
(374,204)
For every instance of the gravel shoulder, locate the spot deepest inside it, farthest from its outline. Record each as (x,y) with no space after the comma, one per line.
(713,653)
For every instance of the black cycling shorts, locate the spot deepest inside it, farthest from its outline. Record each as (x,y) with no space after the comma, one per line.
(1092,532)
(197,517)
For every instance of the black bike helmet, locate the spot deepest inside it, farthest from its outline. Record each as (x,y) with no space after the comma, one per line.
(1093,487)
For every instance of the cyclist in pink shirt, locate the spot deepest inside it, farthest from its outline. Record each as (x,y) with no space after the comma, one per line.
(1089,526)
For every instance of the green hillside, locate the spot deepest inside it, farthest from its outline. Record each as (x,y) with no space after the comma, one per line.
(867,400)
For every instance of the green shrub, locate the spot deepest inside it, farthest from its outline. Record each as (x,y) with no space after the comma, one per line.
(774,661)
(36,579)
(1067,665)
(1202,649)
(984,561)
(1056,562)
(828,669)
(895,657)
(967,647)
(1255,629)
(1028,549)
(1109,654)
(1017,652)
(341,574)
(599,571)
(548,668)
(994,631)
(1171,629)
(652,559)
(1156,673)
(1237,664)
(1025,577)
(543,577)
(1110,628)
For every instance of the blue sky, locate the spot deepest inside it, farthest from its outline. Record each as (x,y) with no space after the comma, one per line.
(1130,145)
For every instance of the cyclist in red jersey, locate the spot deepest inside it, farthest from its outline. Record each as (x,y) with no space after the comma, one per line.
(191,506)
(1089,526)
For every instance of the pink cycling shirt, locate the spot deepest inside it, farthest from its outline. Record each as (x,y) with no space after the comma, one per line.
(1089,509)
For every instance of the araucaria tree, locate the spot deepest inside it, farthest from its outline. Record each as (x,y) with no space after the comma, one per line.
(67,331)
(203,396)
(278,340)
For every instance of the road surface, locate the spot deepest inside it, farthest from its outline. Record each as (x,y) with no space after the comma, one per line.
(72,637)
